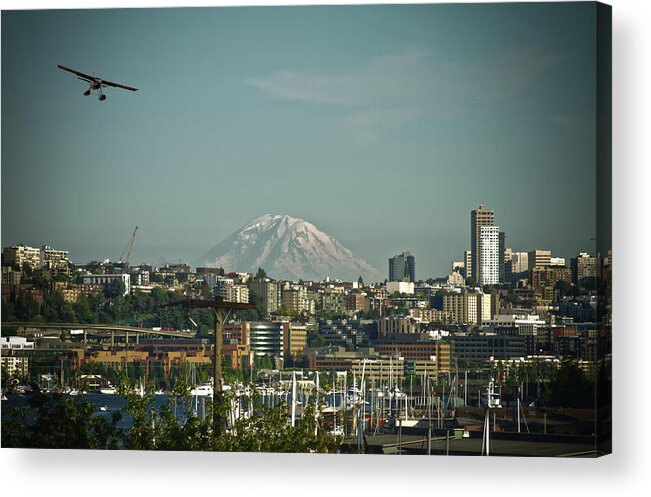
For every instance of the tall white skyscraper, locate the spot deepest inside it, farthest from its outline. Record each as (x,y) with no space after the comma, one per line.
(489,255)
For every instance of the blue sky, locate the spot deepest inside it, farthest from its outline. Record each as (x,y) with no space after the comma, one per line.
(382,125)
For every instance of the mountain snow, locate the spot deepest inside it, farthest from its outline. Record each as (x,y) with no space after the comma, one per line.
(287,248)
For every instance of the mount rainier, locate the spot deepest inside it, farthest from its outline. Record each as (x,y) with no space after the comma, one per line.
(287,248)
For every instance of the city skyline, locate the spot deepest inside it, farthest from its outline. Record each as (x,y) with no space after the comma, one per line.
(382,125)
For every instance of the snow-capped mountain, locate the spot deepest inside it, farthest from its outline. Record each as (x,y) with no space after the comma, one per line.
(287,248)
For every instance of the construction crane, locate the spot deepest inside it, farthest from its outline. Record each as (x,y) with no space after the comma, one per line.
(128,248)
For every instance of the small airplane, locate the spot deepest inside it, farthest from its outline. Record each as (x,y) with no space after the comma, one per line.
(96,84)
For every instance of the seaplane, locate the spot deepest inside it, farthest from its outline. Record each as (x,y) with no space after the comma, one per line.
(96,83)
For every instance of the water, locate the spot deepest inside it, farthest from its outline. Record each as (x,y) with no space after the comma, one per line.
(113,403)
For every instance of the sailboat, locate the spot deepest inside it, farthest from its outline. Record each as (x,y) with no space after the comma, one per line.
(140,388)
(108,390)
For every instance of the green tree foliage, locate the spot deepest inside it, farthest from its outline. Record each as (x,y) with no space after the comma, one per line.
(267,430)
(65,422)
(8,312)
(59,422)
(315,339)
(116,288)
(27,309)
(571,388)
(566,289)
(263,362)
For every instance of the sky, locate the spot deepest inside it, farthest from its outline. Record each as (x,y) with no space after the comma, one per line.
(384,126)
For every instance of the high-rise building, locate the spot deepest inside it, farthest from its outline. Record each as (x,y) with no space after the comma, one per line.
(294,298)
(516,267)
(402,267)
(540,258)
(502,255)
(468,307)
(467,268)
(585,266)
(55,259)
(548,276)
(508,254)
(489,258)
(266,339)
(478,218)
(294,338)
(21,255)
(269,293)
(236,293)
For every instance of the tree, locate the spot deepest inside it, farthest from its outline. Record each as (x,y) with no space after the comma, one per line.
(263,362)
(116,288)
(261,273)
(315,339)
(67,422)
(570,387)
(470,281)
(59,422)
(566,289)
(82,310)
(27,309)
(8,312)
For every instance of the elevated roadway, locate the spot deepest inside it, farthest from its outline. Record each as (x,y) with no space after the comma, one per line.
(95,329)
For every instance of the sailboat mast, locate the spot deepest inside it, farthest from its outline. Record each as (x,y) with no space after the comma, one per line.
(293,399)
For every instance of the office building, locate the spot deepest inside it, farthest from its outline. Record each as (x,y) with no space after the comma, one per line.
(106,280)
(266,339)
(539,258)
(467,264)
(391,326)
(585,269)
(548,276)
(468,307)
(54,259)
(402,267)
(516,324)
(21,255)
(294,298)
(294,338)
(478,218)
(501,256)
(489,255)
(268,293)
(481,346)
(516,268)
(400,287)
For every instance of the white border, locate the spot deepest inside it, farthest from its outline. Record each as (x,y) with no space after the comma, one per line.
(626,472)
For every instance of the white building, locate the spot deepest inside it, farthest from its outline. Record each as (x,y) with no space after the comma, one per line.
(107,279)
(54,259)
(15,343)
(456,280)
(484,307)
(234,293)
(489,255)
(526,324)
(400,287)
(21,255)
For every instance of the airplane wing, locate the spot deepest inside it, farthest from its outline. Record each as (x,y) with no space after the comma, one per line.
(117,85)
(78,73)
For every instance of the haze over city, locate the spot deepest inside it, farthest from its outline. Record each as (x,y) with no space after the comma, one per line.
(384,126)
